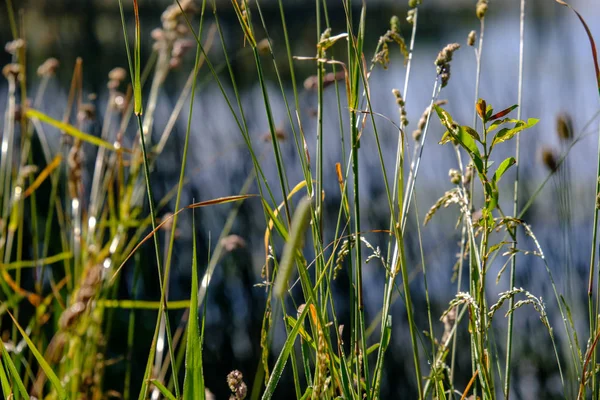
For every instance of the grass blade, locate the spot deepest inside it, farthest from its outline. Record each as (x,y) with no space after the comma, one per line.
(60,391)
(193,384)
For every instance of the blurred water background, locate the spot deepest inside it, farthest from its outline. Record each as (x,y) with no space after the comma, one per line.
(558,77)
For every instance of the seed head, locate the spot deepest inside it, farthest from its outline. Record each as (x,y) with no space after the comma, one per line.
(12,71)
(235,381)
(442,62)
(117,74)
(455,176)
(471,38)
(549,159)
(481,8)
(564,126)
(410,16)
(48,68)
(14,46)
(423,121)
(400,103)
(263,47)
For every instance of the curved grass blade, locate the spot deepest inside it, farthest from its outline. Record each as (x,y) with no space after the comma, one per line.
(590,37)
(219,200)
(161,388)
(60,391)
(72,131)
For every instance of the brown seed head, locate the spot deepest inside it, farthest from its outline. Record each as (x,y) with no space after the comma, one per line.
(549,159)
(564,126)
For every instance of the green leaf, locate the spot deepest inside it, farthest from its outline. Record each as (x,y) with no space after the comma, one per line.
(446,137)
(467,140)
(488,112)
(445,117)
(60,391)
(193,383)
(497,123)
(503,167)
(491,195)
(472,132)
(507,134)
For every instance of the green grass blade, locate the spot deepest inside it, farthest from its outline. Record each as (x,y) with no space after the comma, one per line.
(283,356)
(161,388)
(294,244)
(71,130)
(193,384)
(60,391)
(6,387)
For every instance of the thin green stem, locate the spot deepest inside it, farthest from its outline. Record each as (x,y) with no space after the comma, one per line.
(513,263)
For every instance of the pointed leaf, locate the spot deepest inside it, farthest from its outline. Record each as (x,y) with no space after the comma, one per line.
(496,124)
(503,112)
(503,167)
(507,134)
(445,117)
